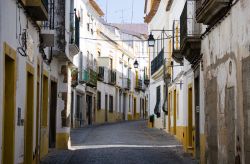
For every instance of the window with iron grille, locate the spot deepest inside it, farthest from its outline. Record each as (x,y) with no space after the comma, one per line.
(111,104)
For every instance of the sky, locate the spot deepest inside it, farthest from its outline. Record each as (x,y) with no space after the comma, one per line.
(120,11)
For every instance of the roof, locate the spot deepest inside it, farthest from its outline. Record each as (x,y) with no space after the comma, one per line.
(133,29)
(152,12)
(96,7)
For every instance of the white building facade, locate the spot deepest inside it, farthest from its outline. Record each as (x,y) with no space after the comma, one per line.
(116,92)
(35,79)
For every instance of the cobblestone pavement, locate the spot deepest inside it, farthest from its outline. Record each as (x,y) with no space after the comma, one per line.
(120,143)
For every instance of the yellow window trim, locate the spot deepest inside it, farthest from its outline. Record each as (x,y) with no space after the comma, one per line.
(9,51)
(46,73)
(29,68)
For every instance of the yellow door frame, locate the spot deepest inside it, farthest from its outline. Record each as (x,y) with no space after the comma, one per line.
(174,128)
(9,101)
(190,116)
(45,99)
(44,145)
(38,71)
(169,112)
(29,115)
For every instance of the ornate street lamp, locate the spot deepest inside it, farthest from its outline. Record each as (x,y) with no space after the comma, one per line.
(136,64)
(151,40)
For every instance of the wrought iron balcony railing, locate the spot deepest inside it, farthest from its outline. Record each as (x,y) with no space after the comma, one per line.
(112,77)
(190,31)
(126,83)
(89,77)
(157,62)
(138,84)
(188,25)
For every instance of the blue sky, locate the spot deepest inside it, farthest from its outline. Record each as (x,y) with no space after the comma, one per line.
(115,8)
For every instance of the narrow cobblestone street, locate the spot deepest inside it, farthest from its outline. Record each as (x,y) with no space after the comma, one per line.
(126,142)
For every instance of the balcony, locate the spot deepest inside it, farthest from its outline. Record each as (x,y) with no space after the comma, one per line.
(176,54)
(146,80)
(190,41)
(89,77)
(209,11)
(37,9)
(138,84)
(74,77)
(126,83)
(112,77)
(101,73)
(75,34)
(157,62)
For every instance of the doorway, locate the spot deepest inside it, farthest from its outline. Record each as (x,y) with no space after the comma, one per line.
(89,109)
(197,116)
(169,112)
(124,106)
(175,106)
(106,108)
(134,108)
(190,117)
(78,115)
(52,118)
(72,110)
(9,111)
(28,128)
(37,111)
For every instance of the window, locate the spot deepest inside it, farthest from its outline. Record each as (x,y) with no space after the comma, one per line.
(177,105)
(157,110)
(88,59)
(78,107)
(111,104)
(99,101)
(95,64)
(99,54)
(88,26)
(129,106)
(91,61)
(111,64)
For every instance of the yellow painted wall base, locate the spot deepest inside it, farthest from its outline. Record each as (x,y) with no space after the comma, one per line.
(100,116)
(202,148)
(137,116)
(130,117)
(62,140)
(112,117)
(181,135)
(119,116)
(150,124)
(44,146)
